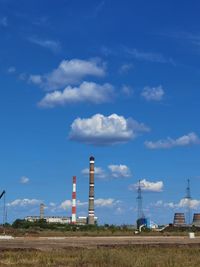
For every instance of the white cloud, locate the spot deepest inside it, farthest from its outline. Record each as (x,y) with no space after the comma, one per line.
(148,56)
(52,45)
(127,90)
(115,171)
(67,204)
(183,203)
(109,202)
(153,93)
(99,203)
(24,180)
(185,140)
(161,204)
(99,172)
(11,70)
(4,21)
(102,130)
(193,203)
(36,79)
(86,92)
(24,202)
(118,171)
(148,186)
(70,72)
(125,68)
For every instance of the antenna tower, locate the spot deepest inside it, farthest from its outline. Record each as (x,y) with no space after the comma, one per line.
(139,201)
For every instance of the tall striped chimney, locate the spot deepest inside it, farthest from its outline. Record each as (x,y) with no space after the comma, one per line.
(74,200)
(91,193)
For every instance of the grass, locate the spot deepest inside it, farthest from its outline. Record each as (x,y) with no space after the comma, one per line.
(137,256)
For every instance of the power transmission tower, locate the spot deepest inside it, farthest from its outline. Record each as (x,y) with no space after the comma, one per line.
(188,203)
(139,201)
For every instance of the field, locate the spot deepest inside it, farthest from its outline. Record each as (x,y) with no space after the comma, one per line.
(118,251)
(99,247)
(137,256)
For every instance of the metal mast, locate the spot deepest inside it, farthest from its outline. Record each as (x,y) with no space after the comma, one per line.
(3,194)
(139,201)
(188,202)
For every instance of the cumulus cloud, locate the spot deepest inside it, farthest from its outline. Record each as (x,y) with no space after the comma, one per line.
(52,45)
(86,92)
(99,172)
(148,186)
(193,203)
(114,171)
(68,203)
(24,180)
(36,79)
(183,203)
(109,202)
(119,171)
(103,130)
(69,72)
(185,140)
(153,93)
(24,202)
(99,203)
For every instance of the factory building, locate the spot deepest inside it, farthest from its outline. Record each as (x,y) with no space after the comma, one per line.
(82,220)
(49,219)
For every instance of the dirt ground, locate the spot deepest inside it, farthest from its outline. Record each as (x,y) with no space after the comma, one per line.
(51,243)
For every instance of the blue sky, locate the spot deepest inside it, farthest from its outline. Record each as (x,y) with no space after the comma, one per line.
(115,79)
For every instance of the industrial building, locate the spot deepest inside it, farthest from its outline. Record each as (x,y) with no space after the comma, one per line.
(179,219)
(49,219)
(82,220)
(196,219)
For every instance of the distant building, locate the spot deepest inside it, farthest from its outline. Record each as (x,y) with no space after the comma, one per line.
(59,219)
(50,219)
(179,219)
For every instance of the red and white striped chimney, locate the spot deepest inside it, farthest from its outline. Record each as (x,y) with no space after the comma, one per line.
(74,201)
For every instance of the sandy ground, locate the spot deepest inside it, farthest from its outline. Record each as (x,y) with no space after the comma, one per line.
(50,243)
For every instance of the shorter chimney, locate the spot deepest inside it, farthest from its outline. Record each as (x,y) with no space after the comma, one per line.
(74,200)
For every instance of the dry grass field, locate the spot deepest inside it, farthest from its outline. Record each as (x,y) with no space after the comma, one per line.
(137,256)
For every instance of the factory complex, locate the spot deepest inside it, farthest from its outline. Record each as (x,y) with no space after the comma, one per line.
(180,219)
(82,220)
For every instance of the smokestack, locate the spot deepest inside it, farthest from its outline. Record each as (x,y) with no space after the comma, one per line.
(74,201)
(91,192)
(41,211)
